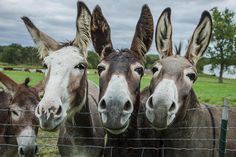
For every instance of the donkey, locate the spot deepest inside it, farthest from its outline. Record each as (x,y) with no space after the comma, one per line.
(186,127)
(69,97)
(18,124)
(120,72)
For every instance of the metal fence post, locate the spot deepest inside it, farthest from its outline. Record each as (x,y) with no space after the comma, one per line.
(223,131)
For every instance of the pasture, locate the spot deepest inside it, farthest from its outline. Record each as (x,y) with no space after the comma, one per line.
(206,87)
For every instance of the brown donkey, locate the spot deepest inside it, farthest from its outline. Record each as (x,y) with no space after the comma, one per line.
(186,127)
(69,97)
(120,73)
(18,124)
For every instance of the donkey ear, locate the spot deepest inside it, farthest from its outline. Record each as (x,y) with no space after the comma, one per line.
(40,86)
(8,83)
(43,42)
(143,36)
(200,38)
(164,34)
(101,33)
(83,22)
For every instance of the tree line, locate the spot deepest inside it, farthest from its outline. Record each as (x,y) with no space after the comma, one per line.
(16,54)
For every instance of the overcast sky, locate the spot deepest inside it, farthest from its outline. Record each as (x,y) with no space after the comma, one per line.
(57,18)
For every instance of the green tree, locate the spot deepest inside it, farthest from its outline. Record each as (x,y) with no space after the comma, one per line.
(93,60)
(150,60)
(222,50)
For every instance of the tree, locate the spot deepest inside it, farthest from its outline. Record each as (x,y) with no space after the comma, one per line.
(93,60)
(222,50)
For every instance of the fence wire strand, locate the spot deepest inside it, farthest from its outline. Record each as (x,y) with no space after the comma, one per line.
(126,139)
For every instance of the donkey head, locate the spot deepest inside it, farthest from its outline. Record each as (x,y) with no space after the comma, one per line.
(24,122)
(173,75)
(120,71)
(66,82)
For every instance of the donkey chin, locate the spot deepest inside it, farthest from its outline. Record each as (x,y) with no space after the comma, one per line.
(115,124)
(51,124)
(118,131)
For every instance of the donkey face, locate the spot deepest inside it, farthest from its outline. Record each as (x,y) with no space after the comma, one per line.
(120,71)
(173,76)
(66,76)
(24,122)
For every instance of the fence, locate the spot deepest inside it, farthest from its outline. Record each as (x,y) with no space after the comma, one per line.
(47,141)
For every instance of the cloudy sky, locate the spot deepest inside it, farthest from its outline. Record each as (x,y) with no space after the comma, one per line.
(57,18)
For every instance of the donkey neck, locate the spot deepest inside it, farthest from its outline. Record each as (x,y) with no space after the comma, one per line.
(81,117)
(186,116)
(188,126)
(190,102)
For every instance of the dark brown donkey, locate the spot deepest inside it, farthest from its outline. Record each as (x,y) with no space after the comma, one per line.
(120,73)
(18,124)
(69,97)
(187,128)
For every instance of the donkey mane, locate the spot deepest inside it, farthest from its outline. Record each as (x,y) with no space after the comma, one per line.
(125,53)
(67,43)
(178,48)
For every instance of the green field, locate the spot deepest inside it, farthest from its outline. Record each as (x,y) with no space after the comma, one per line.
(206,87)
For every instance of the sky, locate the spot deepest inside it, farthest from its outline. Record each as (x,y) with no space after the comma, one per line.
(57,18)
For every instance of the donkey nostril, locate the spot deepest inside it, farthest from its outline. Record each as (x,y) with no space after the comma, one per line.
(21,151)
(59,110)
(102,105)
(127,106)
(172,107)
(150,103)
(37,110)
(36,149)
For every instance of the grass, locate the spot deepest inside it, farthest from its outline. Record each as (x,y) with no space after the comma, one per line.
(206,88)
(2,65)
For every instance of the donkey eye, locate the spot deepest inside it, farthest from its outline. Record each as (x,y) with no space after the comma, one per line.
(191,76)
(154,70)
(80,66)
(100,69)
(139,70)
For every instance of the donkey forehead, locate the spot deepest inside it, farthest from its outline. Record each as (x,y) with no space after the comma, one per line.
(121,60)
(175,64)
(25,94)
(66,55)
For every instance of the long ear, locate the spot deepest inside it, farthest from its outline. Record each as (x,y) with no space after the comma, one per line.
(8,82)
(40,86)
(83,23)
(143,36)
(164,34)
(200,38)
(101,33)
(43,42)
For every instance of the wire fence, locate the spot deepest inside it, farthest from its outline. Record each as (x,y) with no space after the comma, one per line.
(43,138)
